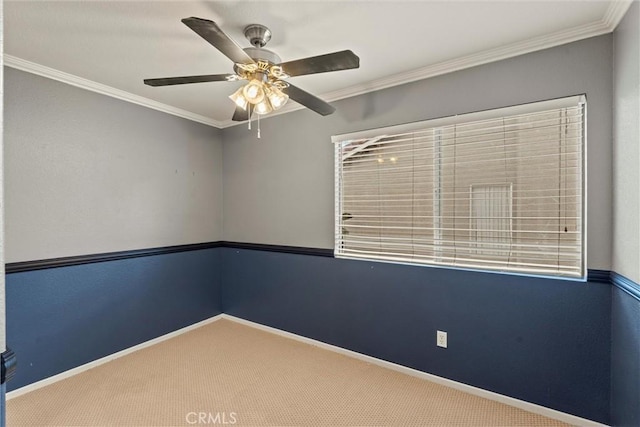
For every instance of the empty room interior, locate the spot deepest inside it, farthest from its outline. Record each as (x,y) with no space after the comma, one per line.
(320,213)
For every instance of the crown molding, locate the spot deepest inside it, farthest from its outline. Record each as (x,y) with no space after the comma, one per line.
(473,60)
(612,17)
(614,14)
(61,76)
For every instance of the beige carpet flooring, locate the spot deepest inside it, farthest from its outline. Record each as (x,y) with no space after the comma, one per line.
(225,373)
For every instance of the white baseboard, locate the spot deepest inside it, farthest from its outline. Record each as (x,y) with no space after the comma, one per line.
(521,404)
(77,370)
(531,407)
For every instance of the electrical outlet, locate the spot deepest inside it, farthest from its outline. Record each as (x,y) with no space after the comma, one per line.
(441,339)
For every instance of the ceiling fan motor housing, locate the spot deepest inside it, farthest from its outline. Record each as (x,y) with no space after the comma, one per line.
(260,54)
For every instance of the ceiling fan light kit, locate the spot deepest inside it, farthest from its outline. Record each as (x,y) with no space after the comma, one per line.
(265,90)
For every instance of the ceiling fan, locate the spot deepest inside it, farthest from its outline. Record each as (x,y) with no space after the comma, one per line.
(266,89)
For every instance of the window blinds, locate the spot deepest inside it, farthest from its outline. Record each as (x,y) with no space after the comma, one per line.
(502,193)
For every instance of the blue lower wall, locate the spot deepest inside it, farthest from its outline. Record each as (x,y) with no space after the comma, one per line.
(541,340)
(60,318)
(625,359)
(567,345)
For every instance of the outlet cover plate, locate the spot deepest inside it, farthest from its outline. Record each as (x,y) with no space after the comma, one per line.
(441,339)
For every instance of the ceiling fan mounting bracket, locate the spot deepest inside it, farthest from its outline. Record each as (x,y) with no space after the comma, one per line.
(258,35)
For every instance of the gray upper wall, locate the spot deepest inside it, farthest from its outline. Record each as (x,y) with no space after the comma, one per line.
(280,189)
(86,173)
(626,146)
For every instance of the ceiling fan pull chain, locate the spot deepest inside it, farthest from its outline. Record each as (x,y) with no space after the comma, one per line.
(249,108)
(258,127)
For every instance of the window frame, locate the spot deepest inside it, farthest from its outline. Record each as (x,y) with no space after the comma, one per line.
(532,107)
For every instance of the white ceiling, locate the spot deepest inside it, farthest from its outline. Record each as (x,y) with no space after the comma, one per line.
(110,47)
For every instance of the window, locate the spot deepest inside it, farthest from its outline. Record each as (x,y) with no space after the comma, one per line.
(499,190)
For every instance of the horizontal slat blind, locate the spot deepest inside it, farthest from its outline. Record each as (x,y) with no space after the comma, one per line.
(504,193)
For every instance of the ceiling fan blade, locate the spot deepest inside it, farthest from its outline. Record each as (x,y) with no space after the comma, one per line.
(312,102)
(210,31)
(336,61)
(240,115)
(168,81)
